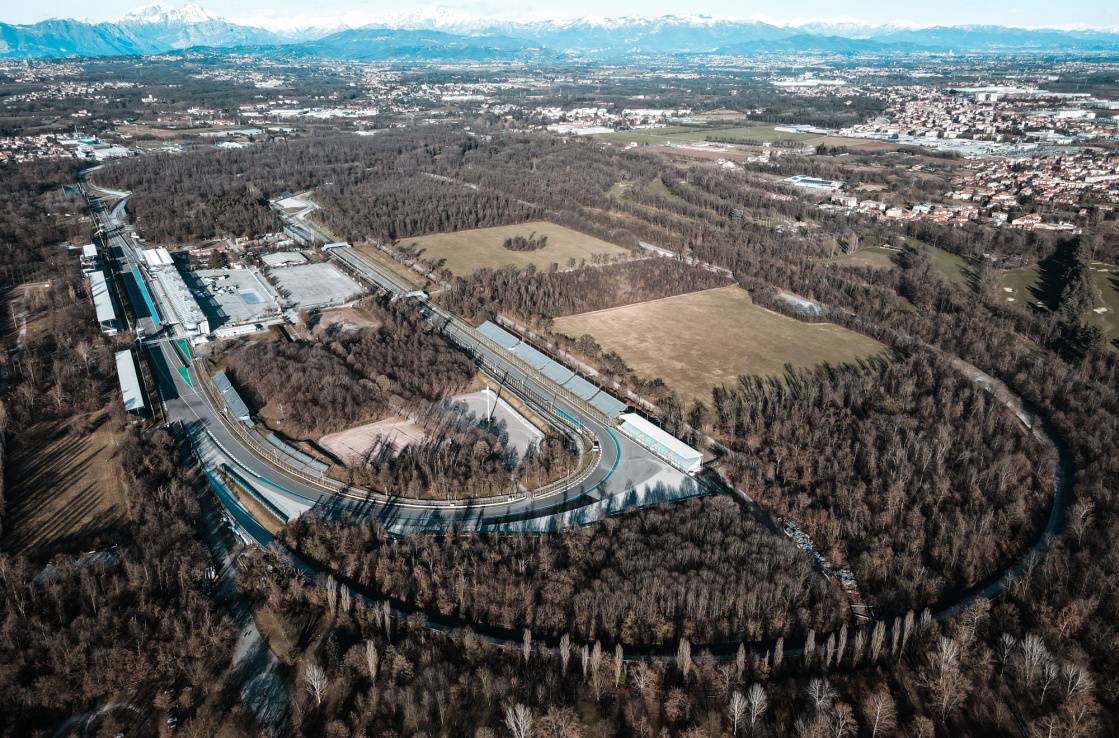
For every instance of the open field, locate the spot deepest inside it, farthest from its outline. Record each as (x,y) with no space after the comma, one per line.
(465,252)
(688,134)
(63,485)
(698,341)
(875,257)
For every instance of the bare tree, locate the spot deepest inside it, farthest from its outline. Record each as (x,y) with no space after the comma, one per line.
(684,656)
(737,710)
(371,660)
(877,640)
(879,711)
(518,719)
(619,663)
(565,651)
(778,653)
(1033,655)
(314,681)
(757,703)
(526,644)
(809,647)
(821,693)
(1075,679)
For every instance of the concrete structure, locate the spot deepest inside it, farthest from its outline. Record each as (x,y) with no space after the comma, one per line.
(89,257)
(103,302)
(234,405)
(599,399)
(130,390)
(662,443)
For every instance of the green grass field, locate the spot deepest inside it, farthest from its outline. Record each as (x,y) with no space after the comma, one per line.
(1022,287)
(875,257)
(465,252)
(701,340)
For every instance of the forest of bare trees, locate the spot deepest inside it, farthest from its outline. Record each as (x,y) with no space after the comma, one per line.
(333,384)
(700,570)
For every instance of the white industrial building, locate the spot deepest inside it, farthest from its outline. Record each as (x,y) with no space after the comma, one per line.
(175,294)
(103,302)
(663,444)
(129,382)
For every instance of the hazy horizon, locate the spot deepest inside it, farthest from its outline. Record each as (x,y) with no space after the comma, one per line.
(289,14)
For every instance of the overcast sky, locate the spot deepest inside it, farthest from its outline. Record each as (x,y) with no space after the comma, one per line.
(297,13)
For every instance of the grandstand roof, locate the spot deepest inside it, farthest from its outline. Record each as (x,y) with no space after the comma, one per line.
(233,402)
(129,382)
(664,444)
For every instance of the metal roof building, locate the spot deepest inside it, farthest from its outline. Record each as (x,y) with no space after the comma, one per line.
(129,382)
(103,302)
(233,402)
(662,443)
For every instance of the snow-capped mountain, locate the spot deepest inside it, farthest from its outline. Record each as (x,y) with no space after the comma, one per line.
(158,13)
(439,33)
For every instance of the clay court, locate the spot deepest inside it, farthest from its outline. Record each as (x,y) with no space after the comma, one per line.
(351,444)
(701,340)
(465,252)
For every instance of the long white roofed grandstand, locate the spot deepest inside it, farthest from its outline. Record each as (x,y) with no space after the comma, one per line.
(664,444)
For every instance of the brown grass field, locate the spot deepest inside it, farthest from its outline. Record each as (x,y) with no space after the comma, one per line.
(64,488)
(466,252)
(698,341)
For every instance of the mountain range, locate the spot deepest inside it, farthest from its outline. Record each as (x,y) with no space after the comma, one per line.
(159,29)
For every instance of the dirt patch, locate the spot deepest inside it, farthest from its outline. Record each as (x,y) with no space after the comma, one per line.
(346,319)
(351,444)
(701,340)
(65,488)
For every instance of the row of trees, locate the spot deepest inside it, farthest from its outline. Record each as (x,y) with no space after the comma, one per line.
(539,296)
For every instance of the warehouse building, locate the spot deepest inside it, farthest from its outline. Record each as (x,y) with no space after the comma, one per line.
(103,302)
(130,390)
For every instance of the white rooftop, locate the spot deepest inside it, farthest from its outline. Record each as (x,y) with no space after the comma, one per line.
(664,444)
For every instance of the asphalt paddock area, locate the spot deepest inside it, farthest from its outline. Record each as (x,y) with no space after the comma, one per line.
(701,340)
(522,434)
(314,285)
(236,296)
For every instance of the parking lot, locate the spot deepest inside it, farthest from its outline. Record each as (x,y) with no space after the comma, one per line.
(314,285)
(235,296)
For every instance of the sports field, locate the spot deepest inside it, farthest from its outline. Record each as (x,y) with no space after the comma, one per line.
(465,252)
(698,341)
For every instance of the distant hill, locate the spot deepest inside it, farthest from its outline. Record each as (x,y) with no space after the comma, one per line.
(158,29)
(381,44)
